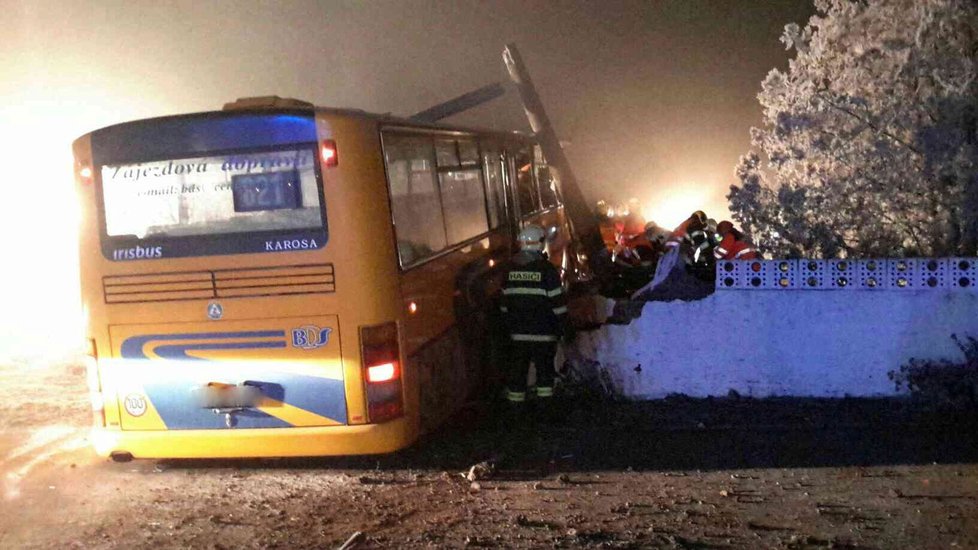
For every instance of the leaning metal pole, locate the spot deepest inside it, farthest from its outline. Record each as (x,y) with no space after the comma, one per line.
(461,103)
(576,207)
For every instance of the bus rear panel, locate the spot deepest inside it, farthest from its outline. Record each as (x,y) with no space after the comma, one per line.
(224,321)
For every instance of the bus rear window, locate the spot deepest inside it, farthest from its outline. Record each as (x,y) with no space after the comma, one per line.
(213,204)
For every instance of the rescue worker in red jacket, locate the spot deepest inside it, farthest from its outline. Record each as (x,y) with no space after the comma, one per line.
(734,245)
(534,309)
(679,234)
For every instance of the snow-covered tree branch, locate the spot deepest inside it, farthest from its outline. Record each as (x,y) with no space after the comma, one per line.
(869,138)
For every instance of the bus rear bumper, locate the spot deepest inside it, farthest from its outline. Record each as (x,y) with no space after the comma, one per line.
(253,443)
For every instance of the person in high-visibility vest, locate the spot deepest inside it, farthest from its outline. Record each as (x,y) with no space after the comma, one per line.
(733,244)
(534,309)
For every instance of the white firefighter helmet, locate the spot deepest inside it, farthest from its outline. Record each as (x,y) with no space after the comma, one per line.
(531,238)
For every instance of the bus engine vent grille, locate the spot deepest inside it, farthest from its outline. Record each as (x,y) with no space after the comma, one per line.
(225,283)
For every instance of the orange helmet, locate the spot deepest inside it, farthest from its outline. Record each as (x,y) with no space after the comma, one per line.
(724,227)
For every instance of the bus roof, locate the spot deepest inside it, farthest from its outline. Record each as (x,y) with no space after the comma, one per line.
(278,105)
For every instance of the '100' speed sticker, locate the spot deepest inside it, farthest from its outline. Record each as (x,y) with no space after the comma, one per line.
(135,404)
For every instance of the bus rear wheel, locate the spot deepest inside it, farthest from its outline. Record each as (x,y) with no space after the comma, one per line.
(120,456)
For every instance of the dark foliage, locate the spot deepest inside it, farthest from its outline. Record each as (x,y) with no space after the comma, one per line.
(943,384)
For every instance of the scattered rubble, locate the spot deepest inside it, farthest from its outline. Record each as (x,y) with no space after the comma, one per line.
(482,470)
(355,540)
(766,474)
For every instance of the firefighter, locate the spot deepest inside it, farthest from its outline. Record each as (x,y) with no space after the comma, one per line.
(677,236)
(602,211)
(723,229)
(656,236)
(624,254)
(734,245)
(699,239)
(535,311)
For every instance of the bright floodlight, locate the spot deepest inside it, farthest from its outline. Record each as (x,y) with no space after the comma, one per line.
(671,210)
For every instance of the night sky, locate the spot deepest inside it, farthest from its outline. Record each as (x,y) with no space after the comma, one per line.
(650,94)
(655,98)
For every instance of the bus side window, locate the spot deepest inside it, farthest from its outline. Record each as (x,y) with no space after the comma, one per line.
(468,153)
(555,185)
(526,189)
(445,152)
(494,185)
(548,188)
(415,201)
(462,193)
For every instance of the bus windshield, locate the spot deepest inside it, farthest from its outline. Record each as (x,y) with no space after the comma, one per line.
(207,197)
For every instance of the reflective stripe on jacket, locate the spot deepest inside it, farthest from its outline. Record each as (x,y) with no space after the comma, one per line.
(746,253)
(533,302)
(734,249)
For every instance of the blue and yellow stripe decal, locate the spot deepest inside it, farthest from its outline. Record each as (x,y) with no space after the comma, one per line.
(170,368)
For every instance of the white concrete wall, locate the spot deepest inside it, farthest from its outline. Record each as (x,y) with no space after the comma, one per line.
(798,342)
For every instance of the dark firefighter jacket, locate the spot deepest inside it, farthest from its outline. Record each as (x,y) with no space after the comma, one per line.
(533,303)
(700,242)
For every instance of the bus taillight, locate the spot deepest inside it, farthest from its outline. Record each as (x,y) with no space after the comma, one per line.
(327,152)
(382,373)
(85,173)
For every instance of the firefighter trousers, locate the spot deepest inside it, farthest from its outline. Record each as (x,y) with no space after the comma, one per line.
(541,354)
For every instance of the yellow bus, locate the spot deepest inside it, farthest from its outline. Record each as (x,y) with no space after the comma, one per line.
(277,279)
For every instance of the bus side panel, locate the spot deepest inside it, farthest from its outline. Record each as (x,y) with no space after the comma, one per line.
(443,378)
(90,272)
(447,338)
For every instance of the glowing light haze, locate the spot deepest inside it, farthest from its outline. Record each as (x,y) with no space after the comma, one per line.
(677,205)
(652,96)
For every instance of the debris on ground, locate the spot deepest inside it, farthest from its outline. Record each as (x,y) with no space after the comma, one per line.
(482,470)
(355,540)
(766,473)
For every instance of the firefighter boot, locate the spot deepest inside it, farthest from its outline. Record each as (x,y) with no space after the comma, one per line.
(545,407)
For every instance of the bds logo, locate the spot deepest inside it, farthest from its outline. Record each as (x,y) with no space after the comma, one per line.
(310,337)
